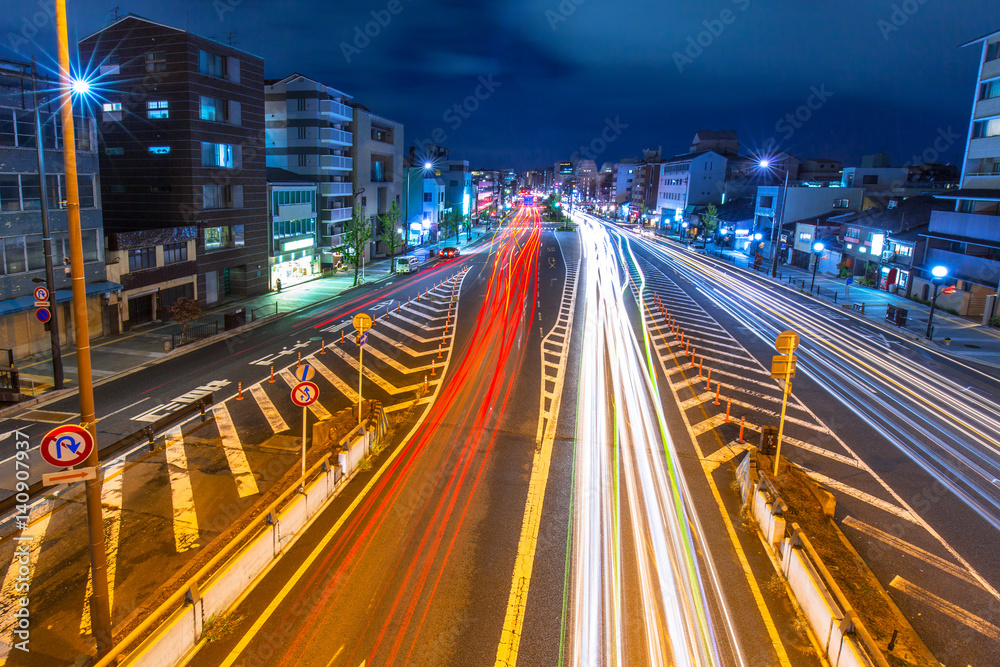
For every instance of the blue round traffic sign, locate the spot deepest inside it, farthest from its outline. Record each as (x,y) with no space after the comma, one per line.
(43,315)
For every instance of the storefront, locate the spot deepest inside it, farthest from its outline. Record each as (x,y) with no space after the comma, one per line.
(894,279)
(294,271)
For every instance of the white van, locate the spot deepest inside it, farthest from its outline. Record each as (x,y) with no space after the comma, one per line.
(406,264)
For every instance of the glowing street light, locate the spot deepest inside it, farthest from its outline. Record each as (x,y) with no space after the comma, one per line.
(80,86)
(938,274)
(764,164)
(818,249)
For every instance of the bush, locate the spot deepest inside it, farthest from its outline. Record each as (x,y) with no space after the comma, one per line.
(995,321)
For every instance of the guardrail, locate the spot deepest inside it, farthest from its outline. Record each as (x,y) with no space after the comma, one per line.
(194,332)
(149,433)
(10,380)
(261,311)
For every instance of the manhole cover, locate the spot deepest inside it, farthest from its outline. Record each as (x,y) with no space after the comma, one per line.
(47,416)
(974,347)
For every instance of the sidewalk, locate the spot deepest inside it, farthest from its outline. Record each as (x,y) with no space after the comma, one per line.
(969,341)
(113,355)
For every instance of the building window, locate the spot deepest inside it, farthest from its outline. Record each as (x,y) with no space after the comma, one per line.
(169,296)
(142,258)
(380,170)
(212,109)
(429,196)
(381,134)
(156,61)
(986,128)
(157,109)
(112,106)
(113,151)
(300,104)
(989,90)
(212,64)
(159,150)
(841,203)
(217,196)
(216,238)
(992,51)
(766,202)
(14,254)
(175,252)
(869,179)
(216,155)
(302,132)
(303,160)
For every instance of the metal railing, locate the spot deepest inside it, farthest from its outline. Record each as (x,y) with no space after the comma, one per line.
(194,332)
(10,380)
(262,311)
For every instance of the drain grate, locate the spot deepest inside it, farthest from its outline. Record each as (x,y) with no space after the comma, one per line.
(47,416)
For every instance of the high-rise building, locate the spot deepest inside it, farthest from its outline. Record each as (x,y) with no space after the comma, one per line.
(182,144)
(379,175)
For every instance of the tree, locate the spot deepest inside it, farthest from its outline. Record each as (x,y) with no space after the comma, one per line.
(709,221)
(185,311)
(391,235)
(357,235)
(450,223)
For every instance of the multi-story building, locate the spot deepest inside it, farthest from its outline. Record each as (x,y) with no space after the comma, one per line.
(307,133)
(379,174)
(22,260)
(182,145)
(433,205)
(293,230)
(779,208)
(458,186)
(687,182)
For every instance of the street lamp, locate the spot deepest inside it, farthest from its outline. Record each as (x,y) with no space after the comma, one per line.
(765,164)
(818,249)
(684,226)
(406,207)
(938,274)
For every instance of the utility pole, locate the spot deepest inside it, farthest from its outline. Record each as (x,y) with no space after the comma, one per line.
(100,605)
(776,231)
(50,282)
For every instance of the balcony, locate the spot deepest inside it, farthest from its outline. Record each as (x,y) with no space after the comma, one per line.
(336,214)
(335,111)
(340,162)
(330,136)
(336,189)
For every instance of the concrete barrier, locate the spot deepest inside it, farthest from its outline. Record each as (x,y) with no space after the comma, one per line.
(182,630)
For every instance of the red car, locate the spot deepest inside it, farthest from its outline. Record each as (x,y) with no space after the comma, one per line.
(449,253)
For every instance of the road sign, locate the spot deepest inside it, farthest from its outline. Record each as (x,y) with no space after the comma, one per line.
(66,446)
(41,304)
(363,338)
(362,322)
(783,366)
(786,342)
(68,476)
(305,372)
(305,394)
(41,294)
(43,315)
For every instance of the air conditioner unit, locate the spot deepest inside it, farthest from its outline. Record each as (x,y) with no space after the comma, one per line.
(886,256)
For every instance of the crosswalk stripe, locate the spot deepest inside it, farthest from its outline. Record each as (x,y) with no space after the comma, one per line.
(334,379)
(812,426)
(377,379)
(246,485)
(185,517)
(392,363)
(708,424)
(947,608)
(421,325)
(271,413)
(860,495)
(697,400)
(36,530)
(722,455)
(410,334)
(316,407)
(398,345)
(911,549)
(111,503)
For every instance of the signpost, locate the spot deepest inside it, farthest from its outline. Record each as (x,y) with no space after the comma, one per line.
(66,446)
(305,394)
(362,323)
(42,304)
(783,368)
(305,372)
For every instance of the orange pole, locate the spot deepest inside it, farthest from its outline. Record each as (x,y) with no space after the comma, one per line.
(322,347)
(729,404)
(692,358)
(398,305)
(743,421)
(425,384)
(708,381)
(701,364)
(239,397)
(439,351)
(300,357)
(271,381)
(432,368)
(718,388)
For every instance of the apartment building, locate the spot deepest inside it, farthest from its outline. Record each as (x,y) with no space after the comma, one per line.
(181,136)
(379,176)
(307,133)
(687,182)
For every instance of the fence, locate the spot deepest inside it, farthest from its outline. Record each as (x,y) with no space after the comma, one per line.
(195,332)
(266,310)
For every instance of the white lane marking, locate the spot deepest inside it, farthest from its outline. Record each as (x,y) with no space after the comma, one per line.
(271,413)
(947,608)
(860,495)
(246,484)
(334,379)
(121,409)
(185,517)
(911,549)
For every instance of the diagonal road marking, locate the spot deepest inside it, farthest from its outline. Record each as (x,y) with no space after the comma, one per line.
(860,495)
(185,518)
(271,413)
(947,608)
(246,485)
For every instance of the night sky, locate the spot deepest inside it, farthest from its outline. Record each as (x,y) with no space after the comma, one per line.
(884,75)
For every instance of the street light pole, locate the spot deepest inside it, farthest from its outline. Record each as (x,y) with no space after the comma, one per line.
(938,274)
(777,221)
(50,281)
(100,605)
(818,251)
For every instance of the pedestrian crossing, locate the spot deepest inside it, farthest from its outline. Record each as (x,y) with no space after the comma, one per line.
(204,475)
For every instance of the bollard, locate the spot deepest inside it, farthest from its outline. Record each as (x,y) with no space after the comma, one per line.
(835,296)
(439,351)
(239,396)
(202,404)
(341,336)
(425,384)
(729,404)
(387,312)
(692,356)
(718,389)
(152,438)
(432,368)
(743,421)
(862,309)
(322,347)
(300,357)
(271,381)
(398,306)
(407,302)
(708,381)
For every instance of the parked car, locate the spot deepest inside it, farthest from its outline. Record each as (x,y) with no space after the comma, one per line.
(449,253)
(407,264)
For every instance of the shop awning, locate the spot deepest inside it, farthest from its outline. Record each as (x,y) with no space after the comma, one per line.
(23,303)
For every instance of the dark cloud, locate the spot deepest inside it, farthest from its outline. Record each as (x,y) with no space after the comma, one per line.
(665,68)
